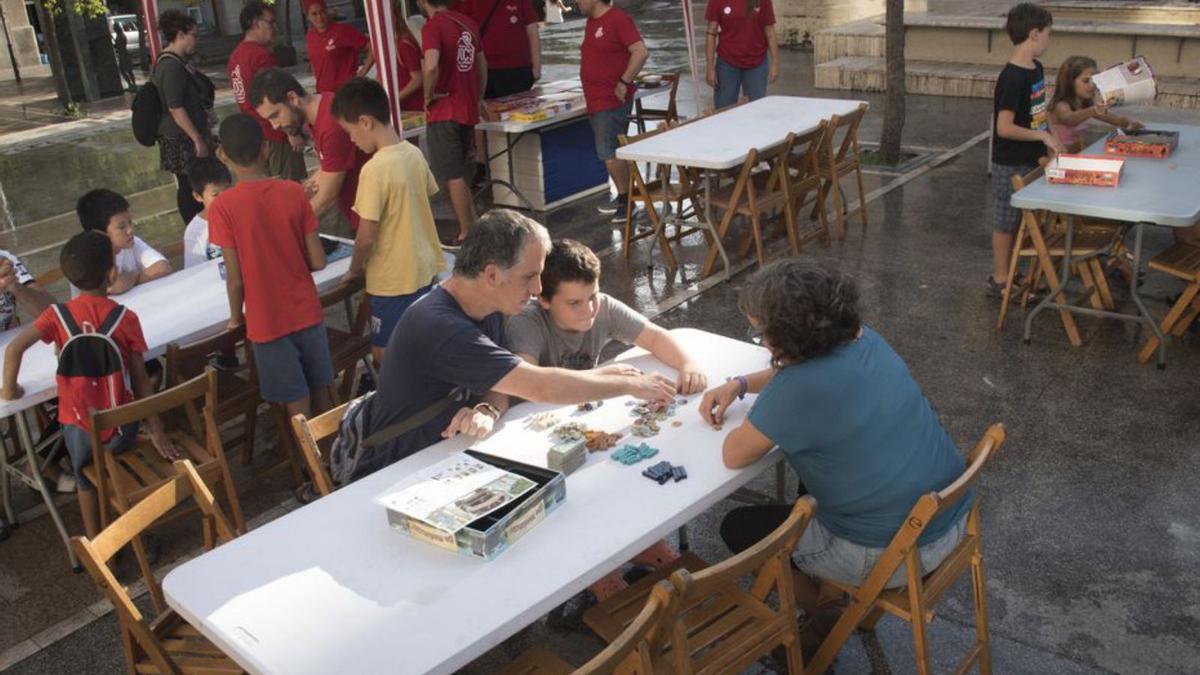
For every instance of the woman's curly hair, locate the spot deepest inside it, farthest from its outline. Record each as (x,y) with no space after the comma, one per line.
(804,310)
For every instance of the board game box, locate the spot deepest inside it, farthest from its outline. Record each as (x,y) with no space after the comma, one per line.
(1149,143)
(1095,170)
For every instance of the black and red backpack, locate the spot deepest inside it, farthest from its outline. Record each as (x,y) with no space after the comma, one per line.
(90,361)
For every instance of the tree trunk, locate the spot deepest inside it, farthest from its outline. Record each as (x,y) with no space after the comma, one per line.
(893,109)
(53,53)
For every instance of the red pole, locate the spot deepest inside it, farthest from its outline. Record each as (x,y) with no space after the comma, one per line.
(381,25)
(150,14)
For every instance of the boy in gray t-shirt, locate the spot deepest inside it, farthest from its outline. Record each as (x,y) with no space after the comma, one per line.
(572,321)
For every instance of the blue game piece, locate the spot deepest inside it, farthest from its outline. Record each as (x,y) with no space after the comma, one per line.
(679,473)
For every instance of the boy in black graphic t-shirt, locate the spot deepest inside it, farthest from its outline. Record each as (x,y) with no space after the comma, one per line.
(1021,130)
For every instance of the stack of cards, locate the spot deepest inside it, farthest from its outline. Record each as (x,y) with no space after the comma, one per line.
(567,456)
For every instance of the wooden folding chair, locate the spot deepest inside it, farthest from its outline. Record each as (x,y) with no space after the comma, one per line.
(309,435)
(835,166)
(805,171)
(638,650)
(755,195)
(643,115)
(657,194)
(915,602)
(349,347)
(1041,239)
(611,616)
(1180,260)
(165,643)
(124,479)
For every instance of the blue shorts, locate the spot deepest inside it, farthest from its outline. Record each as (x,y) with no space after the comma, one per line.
(607,125)
(294,365)
(79,447)
(386,311)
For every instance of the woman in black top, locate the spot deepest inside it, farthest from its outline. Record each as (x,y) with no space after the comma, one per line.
(187,97)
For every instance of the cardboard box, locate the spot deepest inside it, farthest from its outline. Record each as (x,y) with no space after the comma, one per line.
(1147,143)
(1130,82)
(488,536)
(1085,170)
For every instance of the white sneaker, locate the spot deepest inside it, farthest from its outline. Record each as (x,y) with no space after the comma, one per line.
(66,483)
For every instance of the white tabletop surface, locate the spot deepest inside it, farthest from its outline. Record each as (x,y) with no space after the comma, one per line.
(517,127)
(1159,191)
(723,140)
(331,587)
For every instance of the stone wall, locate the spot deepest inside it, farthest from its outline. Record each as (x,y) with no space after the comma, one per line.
(797,21)
(24,43)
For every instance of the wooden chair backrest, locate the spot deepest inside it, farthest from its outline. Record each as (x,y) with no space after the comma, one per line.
(638,649)
(777,158)
(849,123)
(806,152)
(309,435)
(342,293)
(95,553)
(186,361)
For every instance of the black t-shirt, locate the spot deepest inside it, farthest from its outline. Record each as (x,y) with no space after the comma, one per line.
(435,349)
(1023,91)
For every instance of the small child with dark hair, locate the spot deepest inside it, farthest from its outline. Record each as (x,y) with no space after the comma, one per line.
(267,232)
(87,261)
(396,246)
(209,178)
(137,262)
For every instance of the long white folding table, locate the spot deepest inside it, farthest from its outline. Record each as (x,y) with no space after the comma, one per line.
(1151,192)
(331,587)
(182,307)
(722,141)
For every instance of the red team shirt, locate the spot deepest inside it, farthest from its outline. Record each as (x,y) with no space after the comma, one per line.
(334,54)
(505,42)
(247,59)
(90,310)
(266,222)
(410,60)
(742,42)
(336,152)
(605,54)
(456,38)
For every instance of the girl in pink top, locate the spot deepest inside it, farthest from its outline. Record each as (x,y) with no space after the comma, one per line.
(1072,105)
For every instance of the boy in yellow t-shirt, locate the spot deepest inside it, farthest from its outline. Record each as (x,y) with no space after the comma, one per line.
(397,242)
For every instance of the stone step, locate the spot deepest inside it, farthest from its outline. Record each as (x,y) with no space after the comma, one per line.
(860,38)
(937,78)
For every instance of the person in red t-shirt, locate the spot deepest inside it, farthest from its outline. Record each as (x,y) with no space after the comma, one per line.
(285,154)
(278,98)
(611,56)
(88,262)
(740,33)
(509,32)
(409,55)
(334,48)
(268,238)
(455,70)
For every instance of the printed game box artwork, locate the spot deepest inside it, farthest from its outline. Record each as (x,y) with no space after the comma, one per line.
(1094,170)
(1148,143)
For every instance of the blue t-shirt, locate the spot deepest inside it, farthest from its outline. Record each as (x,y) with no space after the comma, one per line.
(862,438)
(435,349)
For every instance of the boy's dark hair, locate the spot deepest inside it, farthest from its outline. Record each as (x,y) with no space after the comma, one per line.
(568,260)
(241,139)
(173,22)
(97,207)
(1026,17)
(497,238)
(273,84)
(205,171)
(361,96)
(86,259)
(251,13)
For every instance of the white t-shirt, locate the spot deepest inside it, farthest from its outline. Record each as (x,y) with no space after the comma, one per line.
(136,258)
(8,303)
(196,248)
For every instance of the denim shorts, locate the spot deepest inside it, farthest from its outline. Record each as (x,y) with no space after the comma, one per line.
(607,125)
(386,311)
(294,365)
(79,447)
(821,554)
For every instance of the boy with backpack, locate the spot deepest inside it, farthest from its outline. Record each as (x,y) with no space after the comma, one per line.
(92,334)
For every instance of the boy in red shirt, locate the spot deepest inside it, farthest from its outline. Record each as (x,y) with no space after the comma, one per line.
(88,262)
(333,48)
(285,154)
(611,56)
(268,238)
(455,71)
(740,34)
(279,99)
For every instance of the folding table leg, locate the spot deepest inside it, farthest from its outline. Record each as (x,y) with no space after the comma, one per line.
(5,496)
(36,483)
(1057,292)
(716,233)
(1143,314)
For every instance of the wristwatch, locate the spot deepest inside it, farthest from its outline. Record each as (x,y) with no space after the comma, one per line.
(489,410)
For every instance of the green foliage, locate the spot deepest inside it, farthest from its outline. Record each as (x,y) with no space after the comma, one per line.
(85,8)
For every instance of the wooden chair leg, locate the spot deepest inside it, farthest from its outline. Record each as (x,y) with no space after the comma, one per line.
(756,230)
(920,639)
(1084,271)
(1168,322)
(832,644)
(1047,266)
(835,189)
(979,587)
(1189,317)
(143,561)
(1033,281)
(1101,277)
(1006,296)
(235,505)
(872,618)
(862,196)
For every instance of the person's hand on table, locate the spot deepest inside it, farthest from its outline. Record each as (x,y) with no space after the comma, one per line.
(716,401)
(619,369)
(12,392)
(690,380)
(1052,143)
(651,387)
(471,422)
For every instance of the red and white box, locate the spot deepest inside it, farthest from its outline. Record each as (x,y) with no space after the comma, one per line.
(1147,143)
(1095,170)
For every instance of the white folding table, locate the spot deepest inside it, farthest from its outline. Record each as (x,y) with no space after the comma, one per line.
(722,141)
(1151,192)
(331,587)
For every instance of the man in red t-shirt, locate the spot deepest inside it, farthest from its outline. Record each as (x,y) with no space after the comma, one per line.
(740,33)
(611,56)
(285,154)
(455,73)
(334,48)
(269,245)
(509,32)
(278,98)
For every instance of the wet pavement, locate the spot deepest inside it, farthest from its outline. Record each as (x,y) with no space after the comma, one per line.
(1090,512)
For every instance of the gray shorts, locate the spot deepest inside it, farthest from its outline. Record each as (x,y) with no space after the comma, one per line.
(294,365)
(79,447)
(451,150)
(821,554)
(607,125)
(1005,217)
